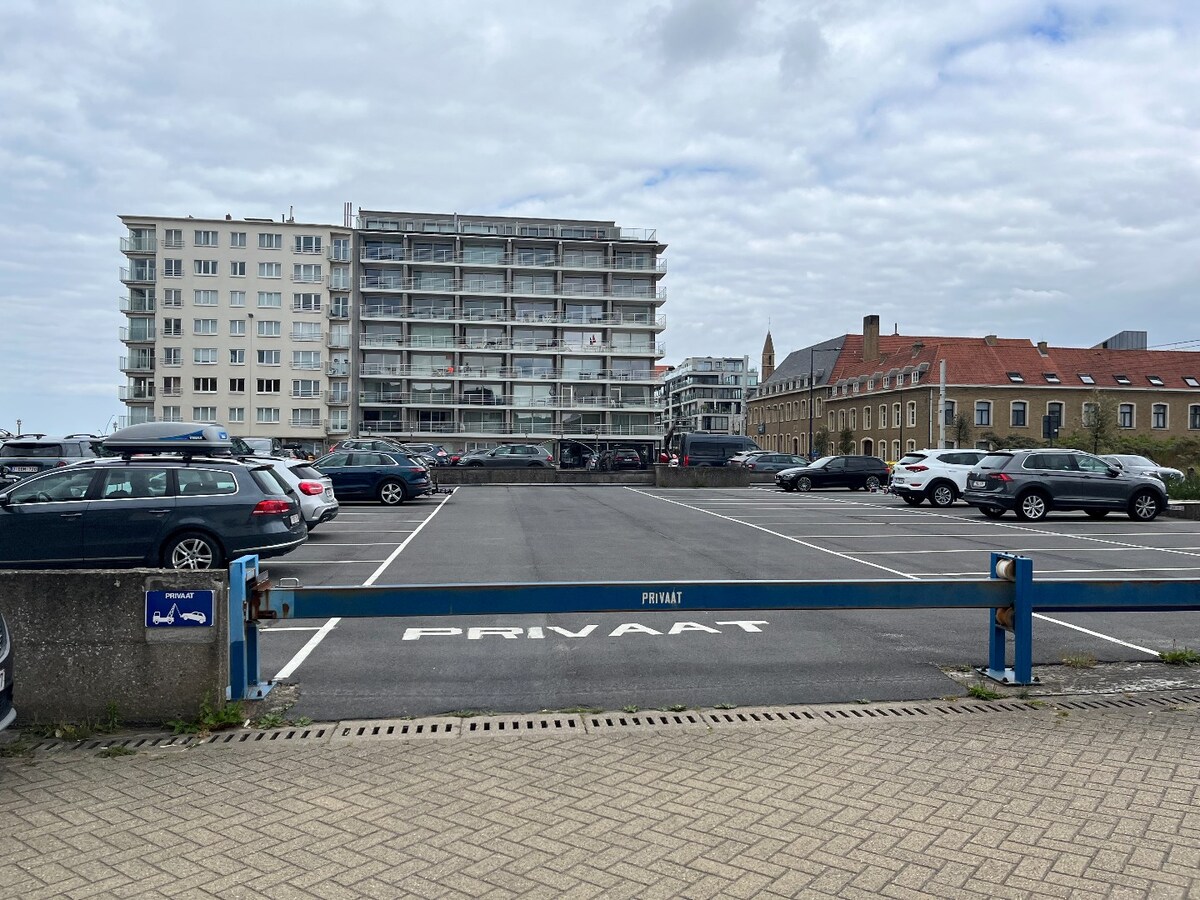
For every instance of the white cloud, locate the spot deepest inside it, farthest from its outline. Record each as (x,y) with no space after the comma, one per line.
(1021,168)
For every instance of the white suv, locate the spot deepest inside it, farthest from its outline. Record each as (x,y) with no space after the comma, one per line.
(939,476)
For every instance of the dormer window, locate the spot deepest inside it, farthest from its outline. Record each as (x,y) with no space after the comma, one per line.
(1155,380)
(1052,378)
(900,380)
(1190,381)
(1121,379)
(1016,377)
(1087,379)
(916,377)
(887,381)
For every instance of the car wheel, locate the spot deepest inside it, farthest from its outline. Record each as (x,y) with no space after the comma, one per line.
(872,483)
(787,487)
(391,493)
(1096,513)
(1032,507)
(1144,506)
(912,499)
(477,465)
(192,550)
(942,495)
(992,512)
(804,483)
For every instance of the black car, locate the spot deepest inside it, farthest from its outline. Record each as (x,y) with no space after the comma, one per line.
(391,477)
(853,472)
(1033,483)
(7,713)
(621,458)
(25,456)
(168,500)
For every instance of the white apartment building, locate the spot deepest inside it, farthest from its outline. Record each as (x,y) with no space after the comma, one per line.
(709,393)
(466,331)
(242,322)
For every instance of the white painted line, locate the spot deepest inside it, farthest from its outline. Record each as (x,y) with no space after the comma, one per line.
(290,628)
(302,653)
(1096,634)
(322,562)
(387,562)
(844,556)
(1011,550)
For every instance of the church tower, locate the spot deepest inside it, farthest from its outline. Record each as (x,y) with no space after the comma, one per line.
(768,360)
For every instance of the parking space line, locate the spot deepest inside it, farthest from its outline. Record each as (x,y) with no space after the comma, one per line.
(291,628)
(327,562)
(302,653)
(387,562)
(1096,634)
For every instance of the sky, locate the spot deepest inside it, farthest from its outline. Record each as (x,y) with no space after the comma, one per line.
(957,167)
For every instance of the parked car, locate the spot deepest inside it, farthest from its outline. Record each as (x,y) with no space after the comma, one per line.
(23,456)
(387,445)
(939,476)
(313,489)
(773,462)
(742,458)
(700,448)
(1033,483)
(512,456)
(436,452)
(621,458)
(264,446)
(390,477)
(465,457)
(166,501)
(853,472)
(7,712)
(1143,465)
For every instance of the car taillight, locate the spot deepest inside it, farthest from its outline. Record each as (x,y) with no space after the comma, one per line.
(685,460)
(312,488)
(420,470)
(999,476)
(61,462)
(748,465)
(917,468)
(272,508)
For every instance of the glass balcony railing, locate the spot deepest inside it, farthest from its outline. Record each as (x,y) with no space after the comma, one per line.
(139,245)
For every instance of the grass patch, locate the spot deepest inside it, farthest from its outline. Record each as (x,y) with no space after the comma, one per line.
(983,692)
(109,722)
(675,707)
(1184,656)
(631,708)
(228,716)
(114,752)
(1188,489)
(15,749)
(580,711)
(469,713)
(725,706)
(1080,661)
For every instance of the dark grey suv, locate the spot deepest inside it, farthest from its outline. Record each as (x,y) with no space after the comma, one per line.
(1033,483)
(23,456)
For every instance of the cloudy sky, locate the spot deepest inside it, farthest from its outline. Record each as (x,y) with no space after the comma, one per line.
(1025,168)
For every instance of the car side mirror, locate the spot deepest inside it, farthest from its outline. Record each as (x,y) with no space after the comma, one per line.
(1113,473)
(4,501)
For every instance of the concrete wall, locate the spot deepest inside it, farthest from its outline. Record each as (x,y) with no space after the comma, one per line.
(701,476)
(537,475)
(80,643)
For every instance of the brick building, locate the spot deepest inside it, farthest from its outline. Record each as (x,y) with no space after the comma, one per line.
(887,390)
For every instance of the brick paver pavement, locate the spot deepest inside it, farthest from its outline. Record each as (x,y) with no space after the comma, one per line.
(1027,804)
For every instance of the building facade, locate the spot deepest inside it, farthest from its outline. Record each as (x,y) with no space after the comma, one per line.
(464,330)
(709,393)
(888,392)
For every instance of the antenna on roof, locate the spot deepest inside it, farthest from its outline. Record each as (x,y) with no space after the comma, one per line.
(895,328)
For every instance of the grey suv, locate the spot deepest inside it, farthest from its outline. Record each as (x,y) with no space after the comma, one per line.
(23,456)
(1033,483)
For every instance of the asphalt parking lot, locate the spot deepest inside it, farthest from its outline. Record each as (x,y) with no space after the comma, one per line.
(348,668)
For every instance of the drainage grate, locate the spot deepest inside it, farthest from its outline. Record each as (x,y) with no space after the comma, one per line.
(762,716)
(646,721)
(266,737)
(409,729)
(521,725)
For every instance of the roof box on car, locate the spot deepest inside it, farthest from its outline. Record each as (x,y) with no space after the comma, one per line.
(191,439)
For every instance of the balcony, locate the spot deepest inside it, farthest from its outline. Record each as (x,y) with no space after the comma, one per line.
(336,312)
(339,400)
(307,395)
(506,228)
(139,245)
(136,364)
(137,275)
(468,286)
(489,400)
(306,423)
(306,336)
(650,265)
(528,432)
(408,342)
(144,335)
(338,254)
(133,394)
(340,283)
(308,367)
(628,320)
(476,373)
(136,304)
(338,342)
(338,428)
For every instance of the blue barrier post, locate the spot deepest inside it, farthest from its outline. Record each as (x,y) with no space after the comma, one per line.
(1018,618)
(244,683)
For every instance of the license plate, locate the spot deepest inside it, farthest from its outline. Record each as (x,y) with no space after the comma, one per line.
(978,484)
(292,520)
(328,493)
(22,468)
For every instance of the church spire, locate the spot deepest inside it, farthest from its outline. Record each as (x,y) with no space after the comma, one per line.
(768,359)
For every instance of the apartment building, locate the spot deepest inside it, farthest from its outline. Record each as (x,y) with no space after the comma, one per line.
(465,330)
(709,393)
(887,390)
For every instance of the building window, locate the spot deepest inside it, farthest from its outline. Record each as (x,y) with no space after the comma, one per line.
(1055,411)
(1019,414)
(983,412)
(270,328)
(1125,415)
(883,415)
(204,414)
(172,386)
(949,411)
(270,299)
(204,385)
(306,359)
(237,239)
(204,266)
(173,238)
(270,270)
(306,418)
(306,388)
(896,415)
(866,418)
(1194,416)
(204,356)
(266,386)
(237,357)
(172,328)
(237,298)
(912,413)
(266,415)
(204,326)
(1158,415)
(854,420)
(1052,378)
(1190,381)
(173,268)
(206,239)
(308,243)
(1122,379)
(306,331)
(237,414)
(1086,379)
(1155,380)
(173,298)
(172,356)
(270,241)
(204,298)
(268,357)
(895,449)
(172,414)
(237,268)
(306,302)
(237,327)
(237,385)
(916,377)
(1016,377)
(1090,411)
(309,273)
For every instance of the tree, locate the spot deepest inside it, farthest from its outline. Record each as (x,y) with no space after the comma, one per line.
(846,441)
(1100,421)
(960,430)
(821,441)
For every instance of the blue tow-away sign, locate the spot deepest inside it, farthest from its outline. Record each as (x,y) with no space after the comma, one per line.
(179,609)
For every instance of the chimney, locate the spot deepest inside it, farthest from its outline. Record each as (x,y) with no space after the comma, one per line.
(918,346)
(870,338)
(990,340)
(1042,348)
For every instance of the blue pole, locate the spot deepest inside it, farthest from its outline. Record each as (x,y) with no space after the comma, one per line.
(236,689)
(1023,621)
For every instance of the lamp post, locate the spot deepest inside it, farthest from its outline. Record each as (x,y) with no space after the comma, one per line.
(811,369)
(250,370)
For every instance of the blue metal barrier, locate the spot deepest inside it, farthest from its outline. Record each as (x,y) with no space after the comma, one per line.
(1009,594)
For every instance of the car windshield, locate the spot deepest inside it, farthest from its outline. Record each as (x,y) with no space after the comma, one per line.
(1135,461)
(995,461)
(306,471)
(822,462)
(910,458)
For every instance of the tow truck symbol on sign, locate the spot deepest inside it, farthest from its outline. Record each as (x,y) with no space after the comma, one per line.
(174,609)
(165,619)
